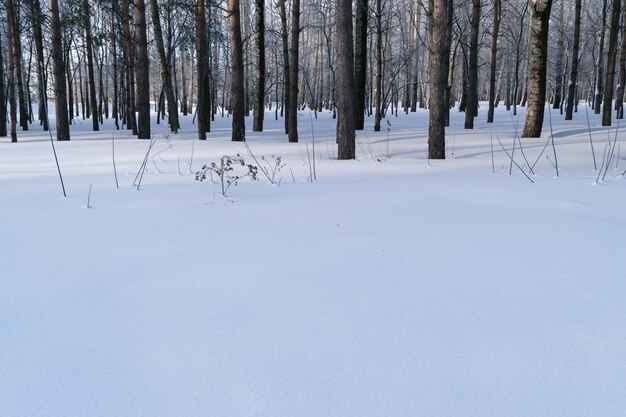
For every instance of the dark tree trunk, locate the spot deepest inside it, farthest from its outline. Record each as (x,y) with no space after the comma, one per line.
(379,65)
(560,52)
(539,25)
(494,54)
(92,79)
(259,105)
(129,70)
(60,95)
(439,57)
(11,77)
(569,109)
(3,107)
(202,67)
(619,95)
(143,80)
(286,70)
(360,63)
(294,52)
(472,99)
(345,82)
(16,47)
(164,67)
(610,64)
(600,65)
(36,24)
(237,95)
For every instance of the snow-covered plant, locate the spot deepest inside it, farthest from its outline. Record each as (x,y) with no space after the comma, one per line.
(272,168)
(229,171)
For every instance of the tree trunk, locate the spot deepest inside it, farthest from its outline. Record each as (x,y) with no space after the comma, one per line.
(164,67)
(619,96)
(539,25)
(60,95)
(360,63)
(610,64)
(560,52)
(92,80)
(379,65)
(600,64)
(292,109)
(345,81)
(494,54)
(142,70)
(259,105)
(571,89)
(3,107)
(439,64)
(202,64)
(16,47)
(472,99)
(11,77)
(36,24)
(237,95)
(286,70)
(129,70)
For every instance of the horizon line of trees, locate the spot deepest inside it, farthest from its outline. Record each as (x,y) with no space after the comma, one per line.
(367,58)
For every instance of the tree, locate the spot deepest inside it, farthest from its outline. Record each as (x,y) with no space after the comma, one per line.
(142,70)
(539,26)
(164,67)
(560,51)
(292,108)
(3,108)
(15,51)
(202,70)
(494,54)
(571,90)
(129,70)
(284,34)
(472,99)
(36,18)
(378,18)
(259,105)
(439,57)
(600,64)
(237,96)
(360,63)
(92,82)
(619,95)
(60,95)
(345,81)
(610,64)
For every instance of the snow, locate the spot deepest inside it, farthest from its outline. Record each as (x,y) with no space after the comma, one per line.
(388,287)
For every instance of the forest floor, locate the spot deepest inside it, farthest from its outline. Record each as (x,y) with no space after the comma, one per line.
(389,286)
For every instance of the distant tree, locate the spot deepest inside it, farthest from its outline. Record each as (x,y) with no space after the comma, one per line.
(129,69)
(237,95)
(600,63)
(472,98)
(493,68)
(3,107)
(15,49)
(360,63)
(345,81)
(37,21)
(90,66)
(619,95)
(539,26)
(438,58)
(259,104)
(202,67)
(284,35)
(294,52)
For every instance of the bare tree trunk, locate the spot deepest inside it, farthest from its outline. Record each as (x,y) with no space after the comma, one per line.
(129,70)
(172,107)
(286,70)
(560,51)
(619,96)
(3,107)
(60,96)
(345,81)
(472,99)
(494,54)
(92,80)
(600,64)
(259,105)
(539,25)
(11,74)
(571,90)
(36,24)
(16,47)
(292,109)
(142,70)
(360,63)
(237,96)
(610,65)
(379,65)
(439,64)
(202,65)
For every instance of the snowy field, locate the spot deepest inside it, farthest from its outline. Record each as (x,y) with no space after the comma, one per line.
(390,286)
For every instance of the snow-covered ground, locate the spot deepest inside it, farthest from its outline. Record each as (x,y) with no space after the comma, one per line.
(388,287)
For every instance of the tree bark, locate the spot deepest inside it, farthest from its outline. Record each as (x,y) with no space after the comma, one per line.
(129,70)
(539,26)
(619,95)
(345,81)
(60,95)
(360,63)
(36,24)
(142,71)
(439,60)
(560,51)
(571,88)
(259,105)
(610,64)
(379,65)
(16,47)
(164,67)
(284,34)
(92,79)
(292,109)
(472,99)
(202,64)
(600,65)
(494,54)
(3,107)
(237,95)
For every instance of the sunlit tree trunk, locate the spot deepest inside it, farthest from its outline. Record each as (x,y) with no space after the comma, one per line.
(259,105)
(610,64)
(237,95)
(60,95)
(142,70)
(472,99)
(3,107)
(600,64)
(294,50)
(345,81)
(494,54)
(360,63)
(439,57)
(90,71)
(571,90)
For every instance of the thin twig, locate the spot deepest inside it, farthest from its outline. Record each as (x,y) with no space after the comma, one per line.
(593,152)
(556,162)
(513,161)
(117,185)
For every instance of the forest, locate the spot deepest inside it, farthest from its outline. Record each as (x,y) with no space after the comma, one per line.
(123,60)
